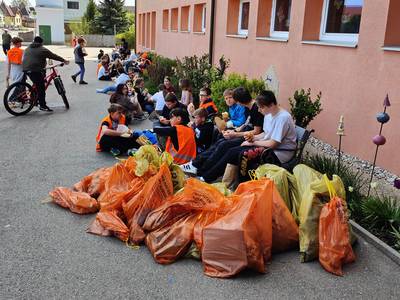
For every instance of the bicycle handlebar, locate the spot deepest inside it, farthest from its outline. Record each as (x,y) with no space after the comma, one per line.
(54,66)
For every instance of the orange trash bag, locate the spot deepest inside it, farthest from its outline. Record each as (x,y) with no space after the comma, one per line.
(77,202)
(120,180)
(154,193)
(94,183)
(243,237)
(110,221)
(169,243)
(285,231)
(334,235)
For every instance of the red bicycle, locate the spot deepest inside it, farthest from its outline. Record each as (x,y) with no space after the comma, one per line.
(21,97)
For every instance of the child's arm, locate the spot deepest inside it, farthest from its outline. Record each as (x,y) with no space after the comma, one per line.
(111,132)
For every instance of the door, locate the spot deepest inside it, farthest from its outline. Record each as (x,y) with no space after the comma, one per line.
(45,34)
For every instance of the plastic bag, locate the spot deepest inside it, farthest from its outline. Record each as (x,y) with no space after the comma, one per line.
(334,236)
(110,221)
(243,237)
(154,193)
(315,195)
(178,177)
(94,183)
(169,243)
(285,182)
(285,232)
(77,202)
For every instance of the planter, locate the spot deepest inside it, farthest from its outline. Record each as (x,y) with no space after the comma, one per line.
(383,247)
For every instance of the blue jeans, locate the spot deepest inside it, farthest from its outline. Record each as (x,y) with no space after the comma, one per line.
(81,71)
(111,88)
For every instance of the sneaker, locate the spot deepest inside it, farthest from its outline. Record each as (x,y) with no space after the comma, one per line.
(45,108)
(73,78)
(100,91)
(83,82)
(115,151)
(189,168)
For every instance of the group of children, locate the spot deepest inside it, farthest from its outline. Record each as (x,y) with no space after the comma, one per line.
(204,141)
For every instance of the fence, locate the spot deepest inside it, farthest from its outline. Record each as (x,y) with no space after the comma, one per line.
(94,40)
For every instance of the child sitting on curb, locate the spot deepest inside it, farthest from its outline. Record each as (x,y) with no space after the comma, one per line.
(237,114)
(203,130)
(181,142)
(205,102)
(114,135)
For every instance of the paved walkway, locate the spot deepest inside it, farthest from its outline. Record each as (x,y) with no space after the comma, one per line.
(45,252)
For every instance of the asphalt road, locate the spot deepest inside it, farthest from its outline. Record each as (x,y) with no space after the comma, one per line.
(46,254)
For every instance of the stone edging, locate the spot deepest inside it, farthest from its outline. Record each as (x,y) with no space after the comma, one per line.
(383,247)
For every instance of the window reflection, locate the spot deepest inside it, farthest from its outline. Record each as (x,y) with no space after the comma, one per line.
(344,16)
(282,15)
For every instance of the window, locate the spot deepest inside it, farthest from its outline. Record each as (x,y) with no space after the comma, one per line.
(72,5)
(341,20)
(165,24)
(174,19)
(199,18)
(392,35)
(204,18)
(153,31)
(185,18)
(243,24)
(280,18)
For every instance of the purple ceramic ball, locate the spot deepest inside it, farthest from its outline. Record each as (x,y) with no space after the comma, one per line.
(382,117)
(379,140)
(397,183)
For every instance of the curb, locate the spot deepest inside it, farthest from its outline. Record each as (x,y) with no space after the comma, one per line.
(383,247)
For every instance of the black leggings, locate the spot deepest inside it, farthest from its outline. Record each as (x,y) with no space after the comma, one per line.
(122,144)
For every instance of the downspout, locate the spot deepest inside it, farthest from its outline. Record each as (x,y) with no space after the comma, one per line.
(212,24)
(136,38)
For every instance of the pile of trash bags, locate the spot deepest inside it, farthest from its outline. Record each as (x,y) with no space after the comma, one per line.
(147,199)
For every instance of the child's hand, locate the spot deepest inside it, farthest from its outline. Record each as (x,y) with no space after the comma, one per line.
(247,143)
(249,136)
(191,108)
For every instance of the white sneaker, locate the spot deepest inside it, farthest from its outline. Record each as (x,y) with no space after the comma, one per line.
(189,168)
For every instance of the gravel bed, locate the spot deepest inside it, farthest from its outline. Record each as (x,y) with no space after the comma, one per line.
(365,166)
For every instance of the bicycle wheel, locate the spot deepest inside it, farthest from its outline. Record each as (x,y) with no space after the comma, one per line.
(61,90)
(19,98)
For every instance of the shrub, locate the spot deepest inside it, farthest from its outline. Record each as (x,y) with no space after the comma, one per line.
(129,36)
(303,108)
(159,68)
(200,72)
(234,80)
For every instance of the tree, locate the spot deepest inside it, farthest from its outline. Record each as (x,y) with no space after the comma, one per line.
(20,3)
(111,13)
(91,10)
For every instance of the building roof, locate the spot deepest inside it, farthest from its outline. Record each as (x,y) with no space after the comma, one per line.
(15,10)
(7,11)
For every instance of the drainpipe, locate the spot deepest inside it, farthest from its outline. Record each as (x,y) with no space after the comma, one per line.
(136,23)
(212,24)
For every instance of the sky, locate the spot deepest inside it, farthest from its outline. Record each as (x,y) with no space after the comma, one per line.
(127,2)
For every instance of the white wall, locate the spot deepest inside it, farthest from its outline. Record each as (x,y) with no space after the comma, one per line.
(50,3)
(74,14)
(53,17)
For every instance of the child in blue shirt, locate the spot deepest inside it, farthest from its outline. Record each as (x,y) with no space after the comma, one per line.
(237,113)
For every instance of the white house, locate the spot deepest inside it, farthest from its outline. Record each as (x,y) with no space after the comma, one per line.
(50,20)
(53,17)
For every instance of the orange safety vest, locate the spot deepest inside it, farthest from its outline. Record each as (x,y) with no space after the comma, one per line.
(98,68)
(109,121)
(15,56)
(207,104)
(187,145)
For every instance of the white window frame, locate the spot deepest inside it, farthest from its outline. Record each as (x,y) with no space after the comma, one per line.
(203,18)
(272,32)
(240,30)
(351,38)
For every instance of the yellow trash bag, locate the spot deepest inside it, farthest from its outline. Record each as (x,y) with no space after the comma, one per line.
(315,195)
(286,184)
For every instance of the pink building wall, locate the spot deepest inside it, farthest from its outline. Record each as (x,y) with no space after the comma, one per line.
(353,81)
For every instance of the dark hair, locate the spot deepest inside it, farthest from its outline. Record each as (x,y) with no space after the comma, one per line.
(171,97)
(115,108)
(185,84)
(228,92)
(138,81)
(38,40)
(201,112)
(242,95)
(206,90)
(101,50)
(266,98)
(81,40)
(182,113)
(121,70)
(120,88)
(161,87)
(16,40)
(167,78)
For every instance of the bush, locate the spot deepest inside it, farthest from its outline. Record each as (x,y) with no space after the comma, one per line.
(129,36)
(200,72)
(159,68)
(303,109)
(233,80)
